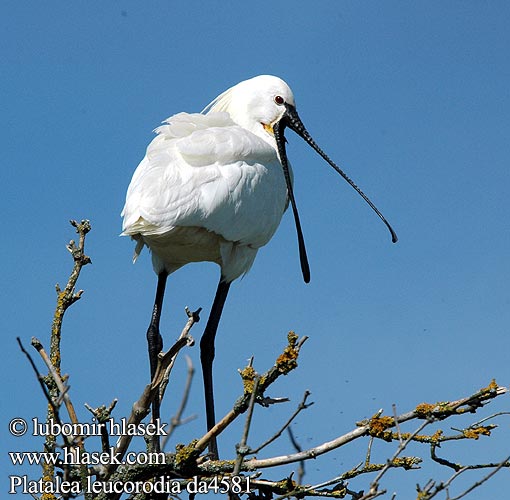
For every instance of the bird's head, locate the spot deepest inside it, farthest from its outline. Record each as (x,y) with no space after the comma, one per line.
(265,105)
(256,104)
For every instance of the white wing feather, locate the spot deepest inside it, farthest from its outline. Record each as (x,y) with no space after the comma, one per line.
(205,171)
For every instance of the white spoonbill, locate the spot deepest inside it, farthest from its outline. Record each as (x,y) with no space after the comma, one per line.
(214,187)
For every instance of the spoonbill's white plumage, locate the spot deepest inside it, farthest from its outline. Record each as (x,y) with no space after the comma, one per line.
(214,187)
(207,190)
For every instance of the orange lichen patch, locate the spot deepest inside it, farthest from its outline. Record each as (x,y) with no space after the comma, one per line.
(424,410)
(378,426)
(287,361)
(422,438)
(491,387)
(476,432)
(436,437)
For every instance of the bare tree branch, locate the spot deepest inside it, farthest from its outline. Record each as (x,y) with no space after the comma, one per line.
(241,448)
(430,490)
(190,463)
(286,362)
(57,379)
(193,317)
(297,447)
(103,415)
(177,419)
(142,405)
(302,406)
(65,298)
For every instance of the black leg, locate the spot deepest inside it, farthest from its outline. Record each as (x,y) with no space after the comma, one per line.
(155,342)
(207,357)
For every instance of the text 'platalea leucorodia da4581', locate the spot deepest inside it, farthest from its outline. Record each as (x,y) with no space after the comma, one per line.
(213,187)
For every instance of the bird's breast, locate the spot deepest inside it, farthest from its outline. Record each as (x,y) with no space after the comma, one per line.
(222,182)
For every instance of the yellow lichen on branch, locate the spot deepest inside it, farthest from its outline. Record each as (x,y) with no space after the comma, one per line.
(248,376)
(287,361)
(378,426)
(476,432)
(185,456)
(424,410)
(436,437)
(491,387)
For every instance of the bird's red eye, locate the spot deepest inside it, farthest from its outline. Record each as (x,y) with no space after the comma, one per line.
(278,99)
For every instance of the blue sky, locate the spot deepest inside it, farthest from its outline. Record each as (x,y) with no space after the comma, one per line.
(410,98)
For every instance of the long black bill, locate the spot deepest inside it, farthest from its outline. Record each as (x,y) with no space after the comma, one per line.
(278,129)
(291,119)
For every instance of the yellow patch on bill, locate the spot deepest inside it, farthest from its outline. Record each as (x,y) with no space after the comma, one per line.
(268,128)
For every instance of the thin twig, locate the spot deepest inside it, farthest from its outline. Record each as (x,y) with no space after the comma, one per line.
(439,412)
(483,480)
(141,406)
(284,364)
(103,415)
(64,396)
(490,417)
(177,419)
(297,447)
(65,298)
(397,426)
(374,485)
(193,317)
(64,389)
(430,490)
(302,406)
(369,451)
(40,378)
(338,491)
(241,448)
